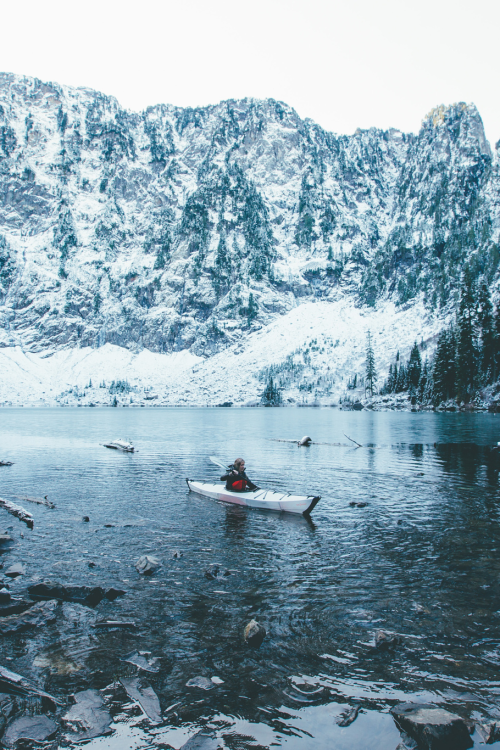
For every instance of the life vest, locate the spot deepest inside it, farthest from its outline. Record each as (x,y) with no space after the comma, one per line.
(239,485)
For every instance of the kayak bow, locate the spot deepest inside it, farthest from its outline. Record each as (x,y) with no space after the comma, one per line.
(264,499)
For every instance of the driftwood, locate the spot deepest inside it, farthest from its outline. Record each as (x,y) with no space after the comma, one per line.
(353,441)
(37,500)
(18,512)
(15,684)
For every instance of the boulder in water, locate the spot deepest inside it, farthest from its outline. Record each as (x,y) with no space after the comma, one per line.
(216,572)
(143,694)
(89,595)
(254,633)
(15,570)
(384,641)
(41,613)
(306,440)
(200,682)
(202,740)
(34,728)
(432,727)
(88,717)
(146,565)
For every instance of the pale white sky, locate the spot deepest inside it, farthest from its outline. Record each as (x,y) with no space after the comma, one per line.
(346,64)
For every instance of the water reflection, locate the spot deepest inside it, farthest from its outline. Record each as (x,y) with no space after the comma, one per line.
(417,555)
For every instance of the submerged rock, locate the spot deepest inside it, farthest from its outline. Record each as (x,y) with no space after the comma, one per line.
(216,572)
(490,732)
(15,570)
(200,682)
(8,707)
(88,595)
(433,728)
(14,607)
(34,728)
(112,594)
(42,613)
(146,565)
(203,740)
(144,695)
(139,658)
(254,633)
(88,717)
(348,716)
(383,641)
(15,684)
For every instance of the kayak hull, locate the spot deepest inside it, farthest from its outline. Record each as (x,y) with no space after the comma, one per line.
(282,502)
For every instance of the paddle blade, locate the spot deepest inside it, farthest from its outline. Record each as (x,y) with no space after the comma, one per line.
(217,462)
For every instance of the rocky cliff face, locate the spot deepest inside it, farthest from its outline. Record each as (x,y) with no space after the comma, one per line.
(179,228)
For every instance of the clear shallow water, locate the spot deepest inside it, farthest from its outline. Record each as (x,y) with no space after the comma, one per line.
(420,560)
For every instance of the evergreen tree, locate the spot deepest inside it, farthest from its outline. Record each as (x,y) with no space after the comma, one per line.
(422,383)
(466,349)
(402,379)
(371,373)
(486,332)
(272,394)
(444,368)
(496,344)
(414,368)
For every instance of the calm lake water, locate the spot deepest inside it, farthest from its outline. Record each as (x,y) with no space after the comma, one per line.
(420,560)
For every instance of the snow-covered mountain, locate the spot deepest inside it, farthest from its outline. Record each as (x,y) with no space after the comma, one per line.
(203,230)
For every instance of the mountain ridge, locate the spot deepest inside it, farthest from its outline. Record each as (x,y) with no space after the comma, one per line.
(180,229)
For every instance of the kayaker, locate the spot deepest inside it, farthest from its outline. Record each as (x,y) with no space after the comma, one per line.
(236,478)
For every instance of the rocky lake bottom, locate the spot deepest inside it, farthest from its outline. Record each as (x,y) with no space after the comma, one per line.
(124,607)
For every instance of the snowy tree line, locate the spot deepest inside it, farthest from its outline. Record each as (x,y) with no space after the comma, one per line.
(467,356)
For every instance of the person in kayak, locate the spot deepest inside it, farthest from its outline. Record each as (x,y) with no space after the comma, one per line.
(236,478)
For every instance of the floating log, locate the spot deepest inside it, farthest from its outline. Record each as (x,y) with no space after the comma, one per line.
(36,500)
(18,512)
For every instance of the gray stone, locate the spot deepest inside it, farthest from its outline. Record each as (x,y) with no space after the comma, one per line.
(146,565)
(254,633)
(88,717)
(384,641)
(41,613)
(16,684)
(141,660)
(432,727)
(200,682)
(144,695)
(489,732)
(202,741)
(89,595)
(15,570)
(34,728)
(216,572)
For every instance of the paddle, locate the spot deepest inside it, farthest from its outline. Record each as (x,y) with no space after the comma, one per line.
(218,463)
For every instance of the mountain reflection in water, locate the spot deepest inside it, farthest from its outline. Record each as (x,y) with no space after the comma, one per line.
(420,560)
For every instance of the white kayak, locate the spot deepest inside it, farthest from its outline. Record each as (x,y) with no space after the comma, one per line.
(265,499)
